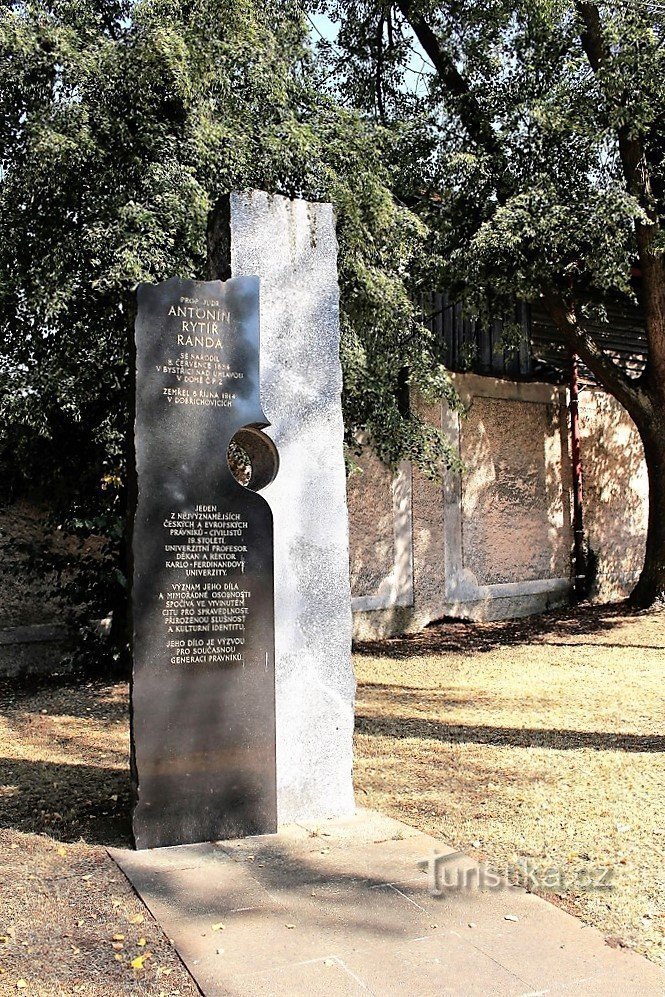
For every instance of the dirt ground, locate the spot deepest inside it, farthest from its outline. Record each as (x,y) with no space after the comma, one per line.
(69,921)
(540,739)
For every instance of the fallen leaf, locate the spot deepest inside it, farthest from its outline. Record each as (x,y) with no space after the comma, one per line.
(289,925)
(21,984)
(118,938)
(217,927)
(61,850)
(141,942)
(136,919)
(510,917)
(140,960)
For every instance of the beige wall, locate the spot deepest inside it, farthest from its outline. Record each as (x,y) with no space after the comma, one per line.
(514,522)
(487,544)
(371,532)
(615,493)
(429,536)
(496,541)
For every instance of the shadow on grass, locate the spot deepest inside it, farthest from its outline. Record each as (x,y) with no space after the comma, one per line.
(508,737)
(67,802)
(557,628)
(87,798)
(91,801)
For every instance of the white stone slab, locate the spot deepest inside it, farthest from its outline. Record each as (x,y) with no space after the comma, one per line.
(291,245)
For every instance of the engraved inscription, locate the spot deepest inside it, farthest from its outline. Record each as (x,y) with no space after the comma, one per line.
(203,698)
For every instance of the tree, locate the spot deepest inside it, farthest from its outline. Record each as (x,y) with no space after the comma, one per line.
(532,146)
(122,123)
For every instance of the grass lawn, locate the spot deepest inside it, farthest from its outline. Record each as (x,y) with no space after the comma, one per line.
(540,738)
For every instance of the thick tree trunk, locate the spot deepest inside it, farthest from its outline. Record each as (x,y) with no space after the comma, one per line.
(650,588)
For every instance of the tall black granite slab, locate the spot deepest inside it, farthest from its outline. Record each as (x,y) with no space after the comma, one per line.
(203,688)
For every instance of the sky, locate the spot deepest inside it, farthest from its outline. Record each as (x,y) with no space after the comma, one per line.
(418,66)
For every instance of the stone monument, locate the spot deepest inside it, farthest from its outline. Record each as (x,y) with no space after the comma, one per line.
(203,686)
(205,725)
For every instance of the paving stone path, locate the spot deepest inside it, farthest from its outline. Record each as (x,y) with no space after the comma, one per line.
(346,907)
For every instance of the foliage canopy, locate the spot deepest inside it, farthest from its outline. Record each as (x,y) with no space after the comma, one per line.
(121,125)
(530,137)
(507,136)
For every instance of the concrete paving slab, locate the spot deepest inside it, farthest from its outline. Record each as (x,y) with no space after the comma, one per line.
(345,907)
(439,963)
(329,976)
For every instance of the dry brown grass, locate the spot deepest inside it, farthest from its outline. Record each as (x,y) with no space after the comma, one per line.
(542,739)
(536,738)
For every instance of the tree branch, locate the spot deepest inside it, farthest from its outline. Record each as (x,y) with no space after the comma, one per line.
(591,36)
(599,55)
(638,180)
(627,391)
(471,114)
(479,127)
(379,68)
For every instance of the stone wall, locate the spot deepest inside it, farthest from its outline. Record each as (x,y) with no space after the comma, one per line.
(496,541)
(371,524)
(27,596)
(37,566)
(503,529)
(514,526)
(615,494)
